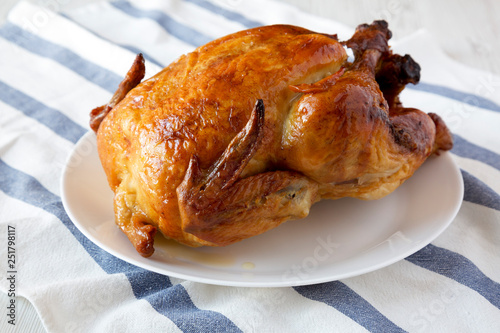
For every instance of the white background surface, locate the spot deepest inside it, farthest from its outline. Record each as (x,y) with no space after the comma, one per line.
(468,31)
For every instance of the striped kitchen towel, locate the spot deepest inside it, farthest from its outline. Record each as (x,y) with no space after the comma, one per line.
(56,66)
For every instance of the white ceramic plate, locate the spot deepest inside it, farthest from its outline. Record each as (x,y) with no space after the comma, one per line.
(339,239)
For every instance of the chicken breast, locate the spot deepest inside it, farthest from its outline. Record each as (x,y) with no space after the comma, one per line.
(250,130)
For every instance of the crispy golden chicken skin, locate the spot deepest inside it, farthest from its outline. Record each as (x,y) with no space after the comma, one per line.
(250,130)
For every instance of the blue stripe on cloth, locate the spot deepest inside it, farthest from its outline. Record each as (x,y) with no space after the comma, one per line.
(171,301)
(477,192)
(344,299)
(460,96)
(230,15)
(458,268)
(464,148)
(174,302)
(51,118)
(174,28)
(35,44)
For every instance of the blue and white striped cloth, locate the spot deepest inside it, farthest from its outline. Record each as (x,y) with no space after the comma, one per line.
(54,68)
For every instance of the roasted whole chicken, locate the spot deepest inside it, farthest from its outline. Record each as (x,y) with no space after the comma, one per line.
(251,129)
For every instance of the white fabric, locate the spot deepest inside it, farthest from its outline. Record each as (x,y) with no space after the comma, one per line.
(451,285)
